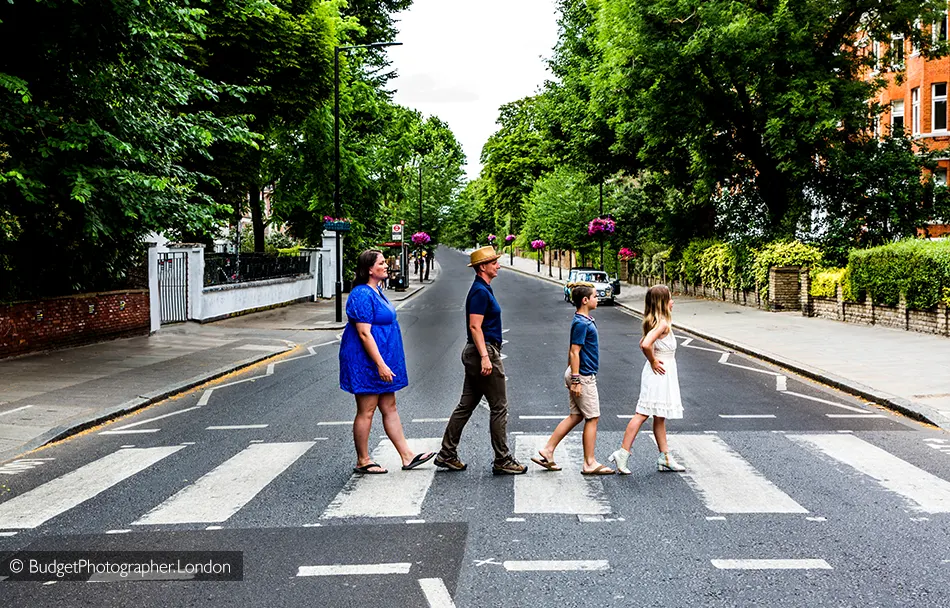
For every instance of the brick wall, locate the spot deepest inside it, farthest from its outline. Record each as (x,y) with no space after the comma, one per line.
(784,290)
(924,321)
(825,308)
(73,320)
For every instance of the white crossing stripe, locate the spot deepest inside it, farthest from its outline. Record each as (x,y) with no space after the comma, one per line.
(18,409)
(236,427)
(725,481)
(565,491)
(351,569)
(397,494)
(130,432)
(771,564)
(220,493)
(45,502)
(855,415)
(556,565)
(147,420)
(781,383)
(825,401)
(927,492)
(436,593)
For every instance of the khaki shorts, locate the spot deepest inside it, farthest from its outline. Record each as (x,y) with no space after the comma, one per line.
(588,404)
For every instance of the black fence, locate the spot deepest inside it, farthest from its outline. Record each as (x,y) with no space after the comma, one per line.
(225,268)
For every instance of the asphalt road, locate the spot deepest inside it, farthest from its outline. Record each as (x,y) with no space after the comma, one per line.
(796,494)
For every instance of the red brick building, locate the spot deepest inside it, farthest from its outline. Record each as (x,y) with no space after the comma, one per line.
(918,104)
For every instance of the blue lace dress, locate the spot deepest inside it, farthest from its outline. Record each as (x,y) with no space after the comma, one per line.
(358,373)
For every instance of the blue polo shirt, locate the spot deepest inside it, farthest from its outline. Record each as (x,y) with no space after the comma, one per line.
(584,333)
(481,301)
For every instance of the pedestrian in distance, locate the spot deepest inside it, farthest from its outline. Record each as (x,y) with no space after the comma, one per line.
(580,378)
(373,364)
(659,383)
(484,372)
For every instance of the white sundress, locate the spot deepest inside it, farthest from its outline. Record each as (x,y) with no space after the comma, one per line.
(660,394)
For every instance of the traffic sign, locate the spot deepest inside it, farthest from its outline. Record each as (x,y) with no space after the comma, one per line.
(397,232)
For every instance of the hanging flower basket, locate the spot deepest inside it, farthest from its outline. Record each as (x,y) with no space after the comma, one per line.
(600,225)
(336,224)
(538,244)
(492,238)
(420,238)
(626,254)
(509,239)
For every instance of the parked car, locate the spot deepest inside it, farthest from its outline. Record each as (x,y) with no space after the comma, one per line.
(607,289)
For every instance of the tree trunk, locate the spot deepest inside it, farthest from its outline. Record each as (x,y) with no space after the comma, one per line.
(257,219)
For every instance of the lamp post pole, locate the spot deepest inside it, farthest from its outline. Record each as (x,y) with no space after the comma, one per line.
(602,236)
(338,290)
(420,215)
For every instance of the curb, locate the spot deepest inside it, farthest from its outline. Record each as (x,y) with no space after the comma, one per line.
(67,430)
(916,411)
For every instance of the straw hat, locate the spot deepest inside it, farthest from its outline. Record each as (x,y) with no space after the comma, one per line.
(485,254)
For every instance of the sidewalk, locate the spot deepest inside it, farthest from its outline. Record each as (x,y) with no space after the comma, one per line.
(51,395)
(905,371)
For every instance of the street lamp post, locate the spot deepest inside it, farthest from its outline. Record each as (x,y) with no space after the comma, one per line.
(338,291)
(602,236)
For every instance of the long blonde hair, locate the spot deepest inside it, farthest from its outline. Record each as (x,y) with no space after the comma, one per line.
(657,306)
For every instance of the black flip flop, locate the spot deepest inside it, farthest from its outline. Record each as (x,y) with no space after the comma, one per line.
(366,469)
(418,459)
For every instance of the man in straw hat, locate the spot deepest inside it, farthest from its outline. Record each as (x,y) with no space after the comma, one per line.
(484,372)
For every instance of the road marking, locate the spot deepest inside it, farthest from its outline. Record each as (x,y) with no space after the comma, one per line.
(542,491)
(725,481)
(855,415)
(556,565)
(436,593)
(747,415)
(398,494)
(18,409)
(430,419)
(130,432)
(816,519)
(825,401)
(927,492)
(224,490)
(236,427)
(771,564)
(214,528)
(514,519)
(781,383)
(24,464)
(724,359)
(715,518)
(335,423)
(354,569)
(7,533)
(205,397)
(122,531)
(415,521)
(141,422)
(45,502)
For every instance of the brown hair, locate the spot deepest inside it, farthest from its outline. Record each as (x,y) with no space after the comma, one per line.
(657,306)
(579,292)
(364,263)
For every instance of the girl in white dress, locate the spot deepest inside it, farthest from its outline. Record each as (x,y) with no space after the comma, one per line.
(659,384)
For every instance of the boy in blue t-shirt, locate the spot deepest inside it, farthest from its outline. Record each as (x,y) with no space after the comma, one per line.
(581,381)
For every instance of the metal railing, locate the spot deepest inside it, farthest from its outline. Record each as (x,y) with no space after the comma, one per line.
(226,268)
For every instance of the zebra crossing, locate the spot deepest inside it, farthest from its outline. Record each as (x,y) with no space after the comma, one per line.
(721,477)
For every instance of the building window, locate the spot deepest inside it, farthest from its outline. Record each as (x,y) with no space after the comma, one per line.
(915,111)
(940,28)
(897,52)
(876,50)
(940,176)
(897,116)
(939,109)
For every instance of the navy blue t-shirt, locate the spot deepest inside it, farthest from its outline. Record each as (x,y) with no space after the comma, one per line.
(584,333)
(481,301)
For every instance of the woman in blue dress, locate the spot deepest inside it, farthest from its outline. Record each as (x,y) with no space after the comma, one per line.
(373,364)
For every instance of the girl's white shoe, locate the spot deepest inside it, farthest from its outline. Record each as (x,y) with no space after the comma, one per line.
(620,459)
(666,462)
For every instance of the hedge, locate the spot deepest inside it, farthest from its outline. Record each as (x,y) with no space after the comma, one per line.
(726,265)
(824,282)
(917,268)
(782,253)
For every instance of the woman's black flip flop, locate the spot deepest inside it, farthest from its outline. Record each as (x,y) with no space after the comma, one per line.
(419,459)
(367,469)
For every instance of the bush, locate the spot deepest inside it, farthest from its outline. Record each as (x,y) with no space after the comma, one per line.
(726,265)
(689,266)
(782,253)
(917,268)
(824,283)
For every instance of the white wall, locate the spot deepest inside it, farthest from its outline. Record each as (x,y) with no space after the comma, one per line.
(222,301)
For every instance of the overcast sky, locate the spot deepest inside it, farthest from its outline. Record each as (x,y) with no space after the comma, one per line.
(462,59)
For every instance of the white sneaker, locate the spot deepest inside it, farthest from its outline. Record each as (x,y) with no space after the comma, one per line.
(620,459)
(666,462)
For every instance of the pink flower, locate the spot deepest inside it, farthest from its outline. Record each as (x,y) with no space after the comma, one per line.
(538,244)
(509,238)
(599,225)
(420,238)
